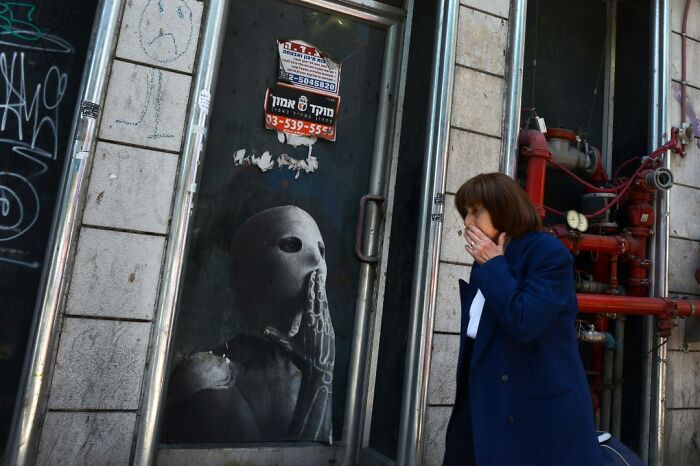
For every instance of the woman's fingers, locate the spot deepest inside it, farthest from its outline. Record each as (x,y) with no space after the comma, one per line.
(480,246)
(475,234)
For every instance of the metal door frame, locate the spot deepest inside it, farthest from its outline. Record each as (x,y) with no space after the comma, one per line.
(394,22)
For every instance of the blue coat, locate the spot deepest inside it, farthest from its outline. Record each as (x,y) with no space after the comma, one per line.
(528,396)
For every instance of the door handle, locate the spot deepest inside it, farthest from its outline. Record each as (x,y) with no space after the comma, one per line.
(359,233)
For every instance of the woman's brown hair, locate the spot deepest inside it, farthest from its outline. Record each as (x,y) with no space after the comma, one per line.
(509,206)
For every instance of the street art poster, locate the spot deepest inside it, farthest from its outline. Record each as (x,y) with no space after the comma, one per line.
(291,110)
(272,381)
(304,65)
(305,101)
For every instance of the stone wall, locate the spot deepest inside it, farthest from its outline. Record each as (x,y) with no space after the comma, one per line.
(474,147)
(107,321)
(682,433)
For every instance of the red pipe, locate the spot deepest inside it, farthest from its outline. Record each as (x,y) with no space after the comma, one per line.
(634,305)
(536,152)
(618,245)
(684,36)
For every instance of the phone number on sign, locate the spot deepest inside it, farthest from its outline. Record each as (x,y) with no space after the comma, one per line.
(298,126)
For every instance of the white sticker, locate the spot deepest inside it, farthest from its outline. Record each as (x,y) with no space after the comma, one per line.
(204,99)
(304,65)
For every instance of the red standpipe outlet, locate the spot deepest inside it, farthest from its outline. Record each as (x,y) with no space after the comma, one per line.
(535,150)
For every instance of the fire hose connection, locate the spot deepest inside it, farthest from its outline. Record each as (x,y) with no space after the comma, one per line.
(661,179)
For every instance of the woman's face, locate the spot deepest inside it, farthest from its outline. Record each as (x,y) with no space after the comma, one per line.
(479,217)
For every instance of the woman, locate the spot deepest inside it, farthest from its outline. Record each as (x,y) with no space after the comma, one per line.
(522,395)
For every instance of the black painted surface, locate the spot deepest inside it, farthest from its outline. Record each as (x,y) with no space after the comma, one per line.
(42,53)
(228,194)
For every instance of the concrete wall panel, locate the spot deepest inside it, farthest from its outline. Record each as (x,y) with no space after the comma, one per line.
(683,259)
(470,154)
(452,249)
(86,439)
(682,434)
(145,106)
(100,364)
(686,170)
(436,421)
(448,314)
(693,18)
(130,188)
(478,102)
(685,212)
(116,274)
(495,7)
(161,33)
(683,380)
(481,41)
(692,63)
(443,369)
(692,109)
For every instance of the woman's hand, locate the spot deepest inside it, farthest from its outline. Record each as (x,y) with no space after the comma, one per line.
(481,247)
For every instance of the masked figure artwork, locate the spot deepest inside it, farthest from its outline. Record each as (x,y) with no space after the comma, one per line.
(273,380)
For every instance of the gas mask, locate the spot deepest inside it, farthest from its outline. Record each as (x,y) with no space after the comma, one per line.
(271,258)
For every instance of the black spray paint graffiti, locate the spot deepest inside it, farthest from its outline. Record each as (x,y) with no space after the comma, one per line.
(17,29)
(33,109)
(29,120)
(165,29)
(150,81)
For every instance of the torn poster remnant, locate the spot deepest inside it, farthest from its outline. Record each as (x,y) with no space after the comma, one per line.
(265,162)
(309,165)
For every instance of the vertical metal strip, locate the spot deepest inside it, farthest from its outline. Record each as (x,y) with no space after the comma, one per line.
(355,398)
(155,381)
(609,83)
(652,143)
(514,78)
(27,418)
(661,240)
(423,294)
(393,149)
